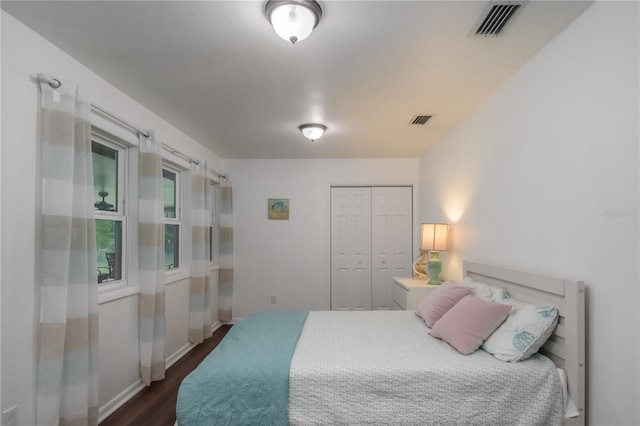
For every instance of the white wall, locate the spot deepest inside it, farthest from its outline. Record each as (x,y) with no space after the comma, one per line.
(544,177)
(290,258)
(528,181)
(25,54)
(119,371)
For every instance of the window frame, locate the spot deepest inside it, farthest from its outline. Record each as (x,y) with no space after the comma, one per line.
(176,273)
(214,225)
(105,128)
(121,214)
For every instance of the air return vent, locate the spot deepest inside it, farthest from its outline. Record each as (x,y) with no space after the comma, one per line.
(496,17)
(420,120)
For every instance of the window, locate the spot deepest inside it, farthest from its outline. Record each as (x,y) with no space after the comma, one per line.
(214,223)
(172,222)
(109,165)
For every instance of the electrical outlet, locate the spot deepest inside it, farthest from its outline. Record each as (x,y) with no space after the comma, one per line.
(273,299)
(10,416)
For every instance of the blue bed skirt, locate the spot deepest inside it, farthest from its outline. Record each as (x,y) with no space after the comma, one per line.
(245,380)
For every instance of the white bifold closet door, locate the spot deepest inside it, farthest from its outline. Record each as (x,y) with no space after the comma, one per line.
(370,243)
(391,242)
(350,249)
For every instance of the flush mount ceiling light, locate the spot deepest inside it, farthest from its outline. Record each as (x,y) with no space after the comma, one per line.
(293,20)
(312,131)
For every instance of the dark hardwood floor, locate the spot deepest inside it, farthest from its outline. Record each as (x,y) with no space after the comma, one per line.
(156,404)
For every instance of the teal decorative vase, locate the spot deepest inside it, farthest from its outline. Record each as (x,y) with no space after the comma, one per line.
(434,266)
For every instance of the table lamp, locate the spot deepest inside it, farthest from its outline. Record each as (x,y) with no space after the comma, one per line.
(435,240)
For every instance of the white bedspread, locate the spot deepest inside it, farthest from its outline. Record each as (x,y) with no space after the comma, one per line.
(382,368)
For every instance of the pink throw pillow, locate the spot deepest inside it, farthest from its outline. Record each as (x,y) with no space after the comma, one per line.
(469,323)
(440,300)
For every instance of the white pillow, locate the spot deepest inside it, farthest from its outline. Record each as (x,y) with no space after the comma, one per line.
(501,296)
(524,331)
(481,290)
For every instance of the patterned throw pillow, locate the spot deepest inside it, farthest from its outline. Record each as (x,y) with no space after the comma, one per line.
(524,331)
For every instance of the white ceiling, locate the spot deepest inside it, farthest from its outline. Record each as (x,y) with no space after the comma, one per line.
(217,70)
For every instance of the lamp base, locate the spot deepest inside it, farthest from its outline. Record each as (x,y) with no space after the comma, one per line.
(420,266)
(434,266)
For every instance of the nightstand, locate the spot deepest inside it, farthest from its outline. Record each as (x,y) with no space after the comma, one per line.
(408,293)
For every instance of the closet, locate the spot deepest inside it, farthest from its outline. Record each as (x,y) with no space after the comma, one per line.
(371,242)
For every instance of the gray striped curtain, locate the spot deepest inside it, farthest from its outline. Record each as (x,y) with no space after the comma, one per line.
(67,358)
(151,261)
(199,286)
(225,291)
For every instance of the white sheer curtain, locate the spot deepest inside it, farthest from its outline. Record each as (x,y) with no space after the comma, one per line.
(67,359)
(200,287)
(151,261)
(225,290)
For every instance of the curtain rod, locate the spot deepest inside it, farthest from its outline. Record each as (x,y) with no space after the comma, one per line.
(185,157)
(54,83)
(120,120)
(180,154)
(189,159)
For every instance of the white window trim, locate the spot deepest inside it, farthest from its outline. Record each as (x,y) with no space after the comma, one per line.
(128,187)
(121,214)
(117,293)
(183,271)
(214,221)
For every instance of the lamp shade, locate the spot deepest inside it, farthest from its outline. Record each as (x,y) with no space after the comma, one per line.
(313,131)
(435,236)
(293,20)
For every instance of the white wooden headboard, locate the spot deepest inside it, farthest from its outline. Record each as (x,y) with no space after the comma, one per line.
(566,346)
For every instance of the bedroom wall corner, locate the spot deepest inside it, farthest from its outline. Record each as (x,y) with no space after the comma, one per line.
(544,177)
(289,259)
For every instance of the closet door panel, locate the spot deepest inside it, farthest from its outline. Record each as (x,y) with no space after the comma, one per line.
(340,249)
(392,221)
(402,234)
(381,239)
(350,248)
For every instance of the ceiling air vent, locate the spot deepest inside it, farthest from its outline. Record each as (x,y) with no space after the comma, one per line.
(420,120)
(496,17)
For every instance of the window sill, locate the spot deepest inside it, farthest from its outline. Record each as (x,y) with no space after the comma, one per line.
(173,276)
(116,293)
(214,268)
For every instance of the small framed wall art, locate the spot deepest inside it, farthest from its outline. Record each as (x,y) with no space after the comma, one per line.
(278,209)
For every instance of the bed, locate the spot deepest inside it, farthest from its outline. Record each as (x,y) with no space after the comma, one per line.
(381,367)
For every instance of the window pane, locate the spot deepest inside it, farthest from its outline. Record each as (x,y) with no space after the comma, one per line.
(171,246)
(105,177)
(169,187)
(109,242)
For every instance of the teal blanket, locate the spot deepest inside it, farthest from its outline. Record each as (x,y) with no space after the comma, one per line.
(245,380)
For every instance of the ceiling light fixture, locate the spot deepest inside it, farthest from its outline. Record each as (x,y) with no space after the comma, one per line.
(293,20)
(312,131)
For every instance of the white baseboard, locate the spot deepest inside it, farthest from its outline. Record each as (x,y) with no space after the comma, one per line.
(107,409)
(173,358)
(216,325)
